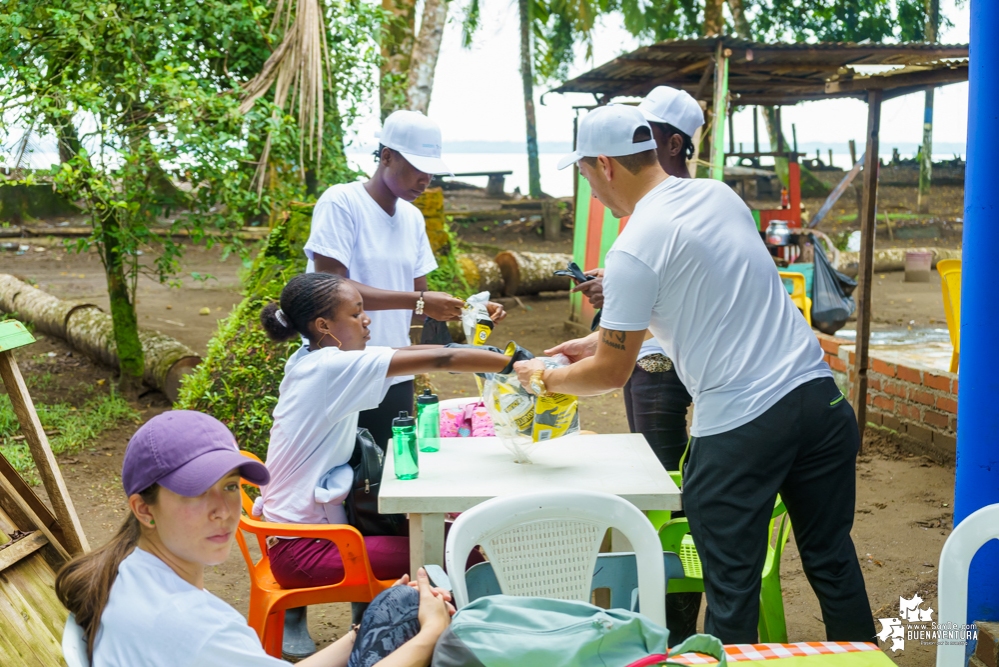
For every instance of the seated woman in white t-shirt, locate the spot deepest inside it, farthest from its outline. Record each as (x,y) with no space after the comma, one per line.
(326,384)
(141,599)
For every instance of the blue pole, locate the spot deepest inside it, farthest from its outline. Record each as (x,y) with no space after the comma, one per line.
(977,479)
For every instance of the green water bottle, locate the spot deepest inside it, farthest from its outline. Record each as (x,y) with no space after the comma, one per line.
(428,422)
(407,464)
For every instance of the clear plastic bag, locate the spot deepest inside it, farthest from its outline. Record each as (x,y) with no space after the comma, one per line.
(521,419)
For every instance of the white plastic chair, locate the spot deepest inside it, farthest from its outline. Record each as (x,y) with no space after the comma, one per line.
(952,580)
(74,644)
(545,544)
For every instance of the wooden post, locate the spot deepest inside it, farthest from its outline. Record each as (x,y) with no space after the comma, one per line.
(853,152)
(780,132)
(551,219)
(731,130)
(756,130)
(720,106)
(830,158)
(866,273)
(41,452)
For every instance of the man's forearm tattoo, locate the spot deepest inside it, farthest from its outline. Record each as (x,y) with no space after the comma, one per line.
(614,339)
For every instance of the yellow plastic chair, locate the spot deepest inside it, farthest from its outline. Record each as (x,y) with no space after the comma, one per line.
(799,296)
(950,284)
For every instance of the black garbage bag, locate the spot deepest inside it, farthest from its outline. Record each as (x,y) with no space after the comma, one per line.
(832,303)
(435,332)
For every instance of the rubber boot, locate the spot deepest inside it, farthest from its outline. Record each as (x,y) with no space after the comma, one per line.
(297,644)
(357,610)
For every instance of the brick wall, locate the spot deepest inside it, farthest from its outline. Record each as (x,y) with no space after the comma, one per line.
(917,402)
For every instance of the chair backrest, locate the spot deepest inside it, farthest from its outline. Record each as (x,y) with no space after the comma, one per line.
(545,544)
(74,644)
(950,284)
(952,578)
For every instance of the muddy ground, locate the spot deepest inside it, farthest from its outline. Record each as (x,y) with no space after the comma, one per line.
(903,503)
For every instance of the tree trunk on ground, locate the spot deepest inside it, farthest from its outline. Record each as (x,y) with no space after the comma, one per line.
(713,21)
(126,327)
(397,49)
(532,272)
(425,51)
(527,77)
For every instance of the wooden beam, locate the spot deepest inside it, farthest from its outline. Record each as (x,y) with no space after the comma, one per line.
(868,221)
(5,487)
(720,111)
(21,549)
(23,491)
(889,81)
(41,452)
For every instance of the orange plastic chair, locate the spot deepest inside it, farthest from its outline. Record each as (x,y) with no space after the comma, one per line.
(950,283)
(799,296)
(268,600)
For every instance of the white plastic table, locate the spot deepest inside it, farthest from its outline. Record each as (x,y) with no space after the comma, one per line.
(468,471)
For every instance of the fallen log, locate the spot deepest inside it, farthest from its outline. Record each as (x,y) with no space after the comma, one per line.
(891,259)
(90,330)
(481,272)
(532,272)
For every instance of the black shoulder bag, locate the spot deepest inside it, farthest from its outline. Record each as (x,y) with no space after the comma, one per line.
(362,501)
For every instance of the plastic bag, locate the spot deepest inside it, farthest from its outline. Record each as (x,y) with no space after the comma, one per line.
(521,419)
(832,304)
(475,319)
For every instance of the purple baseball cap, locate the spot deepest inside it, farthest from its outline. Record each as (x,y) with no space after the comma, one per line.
(186,452)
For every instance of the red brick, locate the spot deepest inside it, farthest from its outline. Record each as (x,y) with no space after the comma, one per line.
(921,396)
(883,403)
(920,433)
(947,404)
(909,375)
(938,419)
(954,389)
(874,417)
(934,381)
(948,442)
(895,389)
(953,424)
(879,366)
(829,345)
(907,411)
(836,364)
(853,358)
(891,422)
(874,384)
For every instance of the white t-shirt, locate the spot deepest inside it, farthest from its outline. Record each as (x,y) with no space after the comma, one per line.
(691,267)
(315,428)
(156,619)
(379,250)
(649,347)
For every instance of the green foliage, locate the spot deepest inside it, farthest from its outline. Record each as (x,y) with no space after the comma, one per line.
(72,428)
(238,381)
(839,21)
(449,276)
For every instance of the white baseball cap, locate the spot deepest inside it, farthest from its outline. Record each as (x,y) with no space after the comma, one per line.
(674,107)
(610,131)
(416,138)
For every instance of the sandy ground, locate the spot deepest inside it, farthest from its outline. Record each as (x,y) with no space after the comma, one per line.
(903,513)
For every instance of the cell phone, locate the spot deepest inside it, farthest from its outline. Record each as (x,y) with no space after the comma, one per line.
(437,576)
(573,271)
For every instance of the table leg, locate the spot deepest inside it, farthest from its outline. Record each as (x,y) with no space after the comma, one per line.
(426,541)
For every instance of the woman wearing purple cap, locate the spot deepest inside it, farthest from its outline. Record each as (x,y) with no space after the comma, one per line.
(141,599)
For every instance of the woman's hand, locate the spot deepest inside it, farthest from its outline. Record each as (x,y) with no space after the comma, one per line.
(496,311)
(435,613)
(442,306)
(438,592)
(525,369)
(576,349)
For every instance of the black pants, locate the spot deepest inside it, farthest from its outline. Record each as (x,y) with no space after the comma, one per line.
(657,404)
(379,420)
(804,447)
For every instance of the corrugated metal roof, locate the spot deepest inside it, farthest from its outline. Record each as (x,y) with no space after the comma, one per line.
(772,73)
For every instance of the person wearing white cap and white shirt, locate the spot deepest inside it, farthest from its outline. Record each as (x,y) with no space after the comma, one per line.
(371,233)
(655,400)
(768,417)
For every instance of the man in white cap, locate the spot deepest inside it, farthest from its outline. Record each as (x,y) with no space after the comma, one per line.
(768,418)
(371,233)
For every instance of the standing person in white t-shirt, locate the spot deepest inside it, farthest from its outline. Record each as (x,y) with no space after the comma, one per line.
(372,234)
(768,418)
(140,599)
(655,400)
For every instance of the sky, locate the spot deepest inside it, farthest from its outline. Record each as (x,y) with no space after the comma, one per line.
(477,95)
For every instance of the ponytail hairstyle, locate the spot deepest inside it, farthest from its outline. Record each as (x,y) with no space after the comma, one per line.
(83,585)
(303,299)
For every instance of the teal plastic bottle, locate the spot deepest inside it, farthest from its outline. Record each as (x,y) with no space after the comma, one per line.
(428,422)
(407,465)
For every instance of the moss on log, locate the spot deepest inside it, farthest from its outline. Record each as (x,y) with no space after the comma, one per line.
(482,272)
(90,330)
(532,272)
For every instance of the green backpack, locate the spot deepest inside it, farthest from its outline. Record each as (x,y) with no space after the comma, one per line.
(508,631)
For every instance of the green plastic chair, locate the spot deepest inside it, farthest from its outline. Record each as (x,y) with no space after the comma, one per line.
(675,536)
